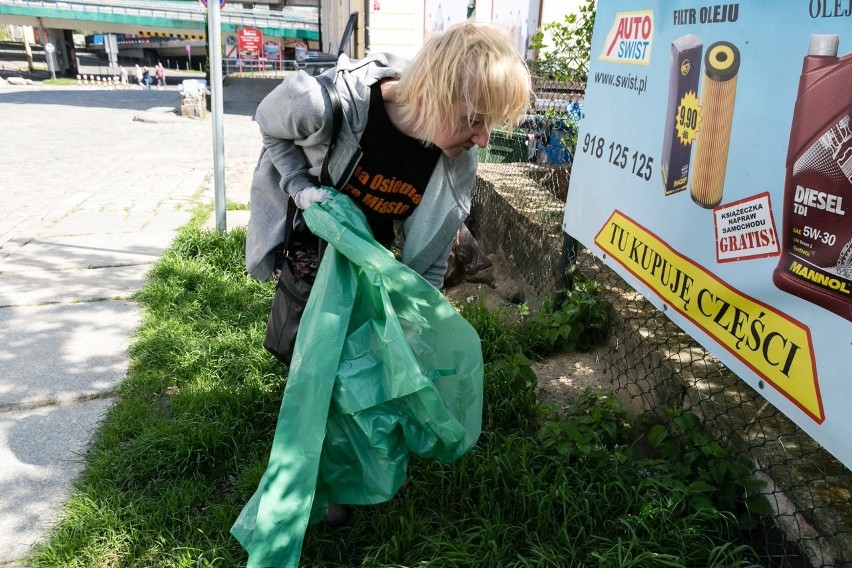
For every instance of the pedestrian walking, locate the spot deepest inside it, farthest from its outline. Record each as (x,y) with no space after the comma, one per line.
(146,78)
(140,75)
(160,73)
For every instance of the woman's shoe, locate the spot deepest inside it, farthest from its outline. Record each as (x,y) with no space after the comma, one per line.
(337,516)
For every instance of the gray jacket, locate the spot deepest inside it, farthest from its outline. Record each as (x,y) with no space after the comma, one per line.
(295,124)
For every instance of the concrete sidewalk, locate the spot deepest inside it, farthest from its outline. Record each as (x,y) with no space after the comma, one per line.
(93,188)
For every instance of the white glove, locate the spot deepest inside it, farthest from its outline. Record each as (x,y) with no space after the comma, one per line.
(310,195)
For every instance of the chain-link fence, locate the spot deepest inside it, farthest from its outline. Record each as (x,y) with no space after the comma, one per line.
(519,202)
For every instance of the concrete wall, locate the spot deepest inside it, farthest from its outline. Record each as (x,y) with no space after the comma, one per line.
(333,19)
(400,26)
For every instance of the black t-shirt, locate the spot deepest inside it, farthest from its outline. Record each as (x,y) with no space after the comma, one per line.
(393,172)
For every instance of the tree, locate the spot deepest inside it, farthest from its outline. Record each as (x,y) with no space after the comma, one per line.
(568,58)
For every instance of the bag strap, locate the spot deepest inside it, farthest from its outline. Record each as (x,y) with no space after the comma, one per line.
(327,84)
(336,122)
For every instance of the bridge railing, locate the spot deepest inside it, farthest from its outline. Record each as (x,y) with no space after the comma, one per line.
(270,68)
(258,67)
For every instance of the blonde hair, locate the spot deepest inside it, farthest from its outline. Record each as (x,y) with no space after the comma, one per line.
(476,64)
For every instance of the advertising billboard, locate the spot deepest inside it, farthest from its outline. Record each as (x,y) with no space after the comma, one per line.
(713,172)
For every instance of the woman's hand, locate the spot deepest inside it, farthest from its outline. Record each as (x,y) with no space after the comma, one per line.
(310,195)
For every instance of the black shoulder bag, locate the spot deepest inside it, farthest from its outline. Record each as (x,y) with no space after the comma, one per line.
(292,292)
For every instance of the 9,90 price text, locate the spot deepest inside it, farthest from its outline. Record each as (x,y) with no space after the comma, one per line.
(619,156)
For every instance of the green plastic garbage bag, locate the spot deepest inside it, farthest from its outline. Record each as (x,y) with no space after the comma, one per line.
(383,366)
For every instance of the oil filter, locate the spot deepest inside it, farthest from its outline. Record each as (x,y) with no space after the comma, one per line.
(718,91)
(684,73)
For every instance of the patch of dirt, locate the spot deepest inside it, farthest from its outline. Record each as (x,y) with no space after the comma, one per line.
(561,377)
(494,285)
(564,376)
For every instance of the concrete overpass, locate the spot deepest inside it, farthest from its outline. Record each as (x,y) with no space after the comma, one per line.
(174,16)
(56,19)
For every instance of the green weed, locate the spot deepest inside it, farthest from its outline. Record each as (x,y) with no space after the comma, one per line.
(708,474)
(570,320)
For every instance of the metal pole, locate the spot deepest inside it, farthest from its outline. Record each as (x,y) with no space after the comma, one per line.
(214,33)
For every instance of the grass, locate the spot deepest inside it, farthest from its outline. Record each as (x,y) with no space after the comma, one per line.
(60,81)
(185,445)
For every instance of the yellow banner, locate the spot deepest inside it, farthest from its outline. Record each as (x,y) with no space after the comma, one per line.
(774,345)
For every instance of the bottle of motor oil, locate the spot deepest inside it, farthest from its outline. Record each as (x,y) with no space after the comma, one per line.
(816,256)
